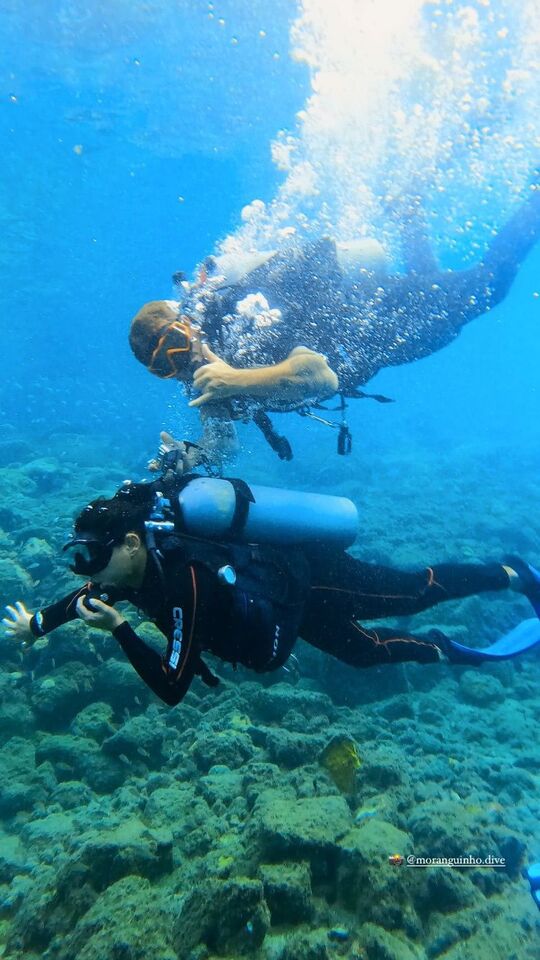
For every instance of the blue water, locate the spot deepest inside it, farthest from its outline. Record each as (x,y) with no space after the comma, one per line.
(133,135)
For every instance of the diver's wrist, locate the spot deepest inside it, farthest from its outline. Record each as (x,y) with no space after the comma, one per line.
(257,380)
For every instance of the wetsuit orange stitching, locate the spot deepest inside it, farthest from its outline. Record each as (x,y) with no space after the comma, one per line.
(357,593)
(79,594)
(432,582)
(376,640)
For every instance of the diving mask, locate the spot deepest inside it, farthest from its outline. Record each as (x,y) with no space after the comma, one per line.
(90,555)
(172,351)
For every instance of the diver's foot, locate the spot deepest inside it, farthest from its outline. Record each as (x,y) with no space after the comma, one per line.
(526,579)
(452,653)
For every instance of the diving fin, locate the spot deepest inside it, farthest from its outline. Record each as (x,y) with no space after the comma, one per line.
(532,874)
(524,637)
(529,581)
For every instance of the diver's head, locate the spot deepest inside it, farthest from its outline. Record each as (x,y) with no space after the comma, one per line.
(161,339)
(108,543)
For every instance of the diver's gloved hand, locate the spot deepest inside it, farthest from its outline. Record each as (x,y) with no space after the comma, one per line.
(180,456)
(17,624)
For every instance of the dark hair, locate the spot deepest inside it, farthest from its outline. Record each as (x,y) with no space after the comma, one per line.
(111,519)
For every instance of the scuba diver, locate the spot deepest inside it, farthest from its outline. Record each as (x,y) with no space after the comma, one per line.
(241,572)
(286,330)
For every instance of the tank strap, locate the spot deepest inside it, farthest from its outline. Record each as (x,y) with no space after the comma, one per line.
(244,496)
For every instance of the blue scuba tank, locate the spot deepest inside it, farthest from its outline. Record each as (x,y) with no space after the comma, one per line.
(220,509)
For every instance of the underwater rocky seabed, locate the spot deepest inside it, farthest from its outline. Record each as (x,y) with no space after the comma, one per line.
(133,831)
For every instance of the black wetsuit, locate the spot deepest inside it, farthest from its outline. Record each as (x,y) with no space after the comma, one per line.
(188,602)
(365,326)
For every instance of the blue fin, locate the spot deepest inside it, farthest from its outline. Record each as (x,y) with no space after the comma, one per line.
(534,598)
(532,874)
(523,637)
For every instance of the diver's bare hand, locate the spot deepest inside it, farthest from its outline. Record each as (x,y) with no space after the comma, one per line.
(102,616)
(17,624)
(215,380)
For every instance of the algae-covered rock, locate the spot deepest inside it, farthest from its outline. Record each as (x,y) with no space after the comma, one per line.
(445,891)
(20,787)
(68,754)
(292,749)
(231,748)
(17,796)
(306,829)
(47,474)
(13,858)
(17,758)
(271,704)
(221,785)
(397,708)
(15,714)
(51,833)
(76,758)
(367,883)
(128,921)
(258,777)
(103,774)
(174,805)
(14,579)
(307,946)
(94,721)
(287,891)
(60,695)
(481,689)
(228,916)
(139,738)
(71,794)
(100,858)
(36,921)
(382,768)
(117,683)
(38,557)
(381,945)
(446,829)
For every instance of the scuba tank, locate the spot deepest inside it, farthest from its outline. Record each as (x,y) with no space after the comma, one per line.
(230,509)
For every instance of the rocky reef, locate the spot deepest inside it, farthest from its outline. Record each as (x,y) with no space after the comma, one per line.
(272,817)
